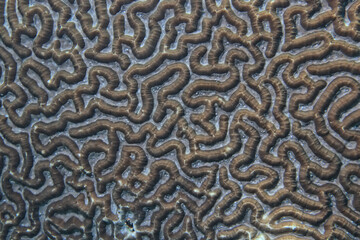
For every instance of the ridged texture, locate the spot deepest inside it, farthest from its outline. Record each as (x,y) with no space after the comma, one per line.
(179,119)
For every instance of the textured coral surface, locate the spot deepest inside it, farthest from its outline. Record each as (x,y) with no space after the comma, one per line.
(179,119)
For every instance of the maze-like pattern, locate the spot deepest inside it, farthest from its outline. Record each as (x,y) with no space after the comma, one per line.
(179,119)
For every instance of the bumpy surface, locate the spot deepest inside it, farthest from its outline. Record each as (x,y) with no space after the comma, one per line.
(179,119)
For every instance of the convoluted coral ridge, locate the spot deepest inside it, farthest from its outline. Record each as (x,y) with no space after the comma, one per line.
(179,119)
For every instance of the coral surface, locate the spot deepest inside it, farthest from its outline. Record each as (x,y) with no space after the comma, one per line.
(179,119)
